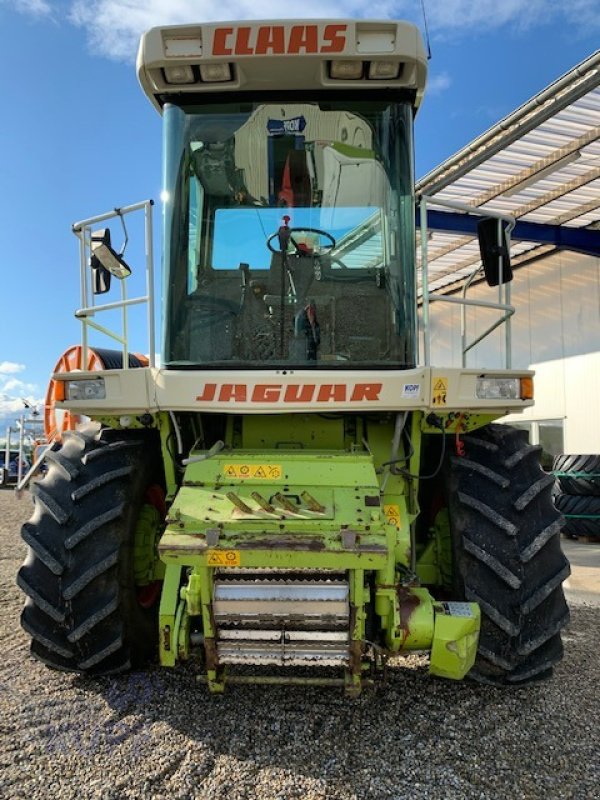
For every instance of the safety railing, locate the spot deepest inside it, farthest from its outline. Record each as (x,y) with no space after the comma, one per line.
(89,308)
(428,297)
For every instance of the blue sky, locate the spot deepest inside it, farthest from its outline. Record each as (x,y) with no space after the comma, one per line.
(78,137)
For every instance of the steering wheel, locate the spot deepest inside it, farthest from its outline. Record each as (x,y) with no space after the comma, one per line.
(298,248)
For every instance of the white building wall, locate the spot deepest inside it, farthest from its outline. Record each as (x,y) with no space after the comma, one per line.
(556,331)
(569,390)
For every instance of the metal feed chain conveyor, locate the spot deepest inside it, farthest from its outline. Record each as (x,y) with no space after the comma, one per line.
(280,619)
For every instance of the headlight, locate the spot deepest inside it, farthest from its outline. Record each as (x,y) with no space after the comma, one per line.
(498,388)
(346,70)
(90,389)
(504,388)
(215,73)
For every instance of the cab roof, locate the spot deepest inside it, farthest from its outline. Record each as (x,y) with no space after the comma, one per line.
(289,55)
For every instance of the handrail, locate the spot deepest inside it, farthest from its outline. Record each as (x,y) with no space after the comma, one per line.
(89,308)
(503,303)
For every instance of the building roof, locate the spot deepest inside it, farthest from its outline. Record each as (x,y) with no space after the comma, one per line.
(539,164)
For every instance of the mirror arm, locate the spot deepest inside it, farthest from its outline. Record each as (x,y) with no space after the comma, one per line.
(125,234)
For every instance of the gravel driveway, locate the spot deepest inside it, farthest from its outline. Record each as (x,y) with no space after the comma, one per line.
(158,734)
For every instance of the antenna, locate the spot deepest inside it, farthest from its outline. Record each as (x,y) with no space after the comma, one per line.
(427,41)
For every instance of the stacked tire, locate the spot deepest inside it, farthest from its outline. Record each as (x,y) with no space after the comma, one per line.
(578,494)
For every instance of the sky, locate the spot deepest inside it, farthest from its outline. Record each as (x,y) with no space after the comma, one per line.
(78,137)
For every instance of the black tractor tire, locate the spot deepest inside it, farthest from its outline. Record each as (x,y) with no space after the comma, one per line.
(582,515)
(82,610)
(578,474)
(582,528)
(507,554)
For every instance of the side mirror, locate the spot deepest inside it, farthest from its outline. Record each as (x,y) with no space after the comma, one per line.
(495,256)
(105,262)
(100,277)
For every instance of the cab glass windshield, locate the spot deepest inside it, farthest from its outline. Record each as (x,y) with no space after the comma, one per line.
(289,235)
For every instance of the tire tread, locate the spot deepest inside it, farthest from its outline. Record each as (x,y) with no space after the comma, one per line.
(81,608)
(506,539)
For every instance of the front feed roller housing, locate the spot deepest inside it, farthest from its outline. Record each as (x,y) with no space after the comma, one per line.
(291,558)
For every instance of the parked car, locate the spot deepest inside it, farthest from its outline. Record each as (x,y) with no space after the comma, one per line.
(9,473)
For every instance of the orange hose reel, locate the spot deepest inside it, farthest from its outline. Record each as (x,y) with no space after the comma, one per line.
(71,361)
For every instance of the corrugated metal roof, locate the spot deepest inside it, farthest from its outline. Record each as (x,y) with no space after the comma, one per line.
(539,164)
(361,247)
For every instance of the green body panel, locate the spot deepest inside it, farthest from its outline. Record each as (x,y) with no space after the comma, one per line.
(294,431)
(316,500)
(434,563)
(455,641)
(276,552)
(428,568)
(413,629)
(147,567)
(169,602)
(457,422)
(163,423)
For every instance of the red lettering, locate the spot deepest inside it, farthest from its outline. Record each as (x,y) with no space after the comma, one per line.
(304,37)
(233,391)
(294,393)
(266,393)
(270,39)
(331,391)
(334,35)
(242,42)
(220,44)
(366,391)
(299,393)
(208,393)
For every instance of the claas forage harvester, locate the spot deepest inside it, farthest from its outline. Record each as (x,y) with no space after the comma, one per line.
(292,495)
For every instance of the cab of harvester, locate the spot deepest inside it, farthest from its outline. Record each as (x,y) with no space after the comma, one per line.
(289,225)
(293,487)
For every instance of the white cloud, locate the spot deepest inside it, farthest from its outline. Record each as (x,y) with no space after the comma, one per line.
(13,390)
(9,407)
(16,386)
(10,368)
(436,84)
(35,8)
(486,15)
(113,27)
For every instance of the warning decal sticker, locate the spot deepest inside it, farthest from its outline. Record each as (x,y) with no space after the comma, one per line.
(392,514)
(439,392)
(270,472)
(223,558)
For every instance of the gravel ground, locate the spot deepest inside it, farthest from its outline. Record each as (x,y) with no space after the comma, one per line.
(158,734)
